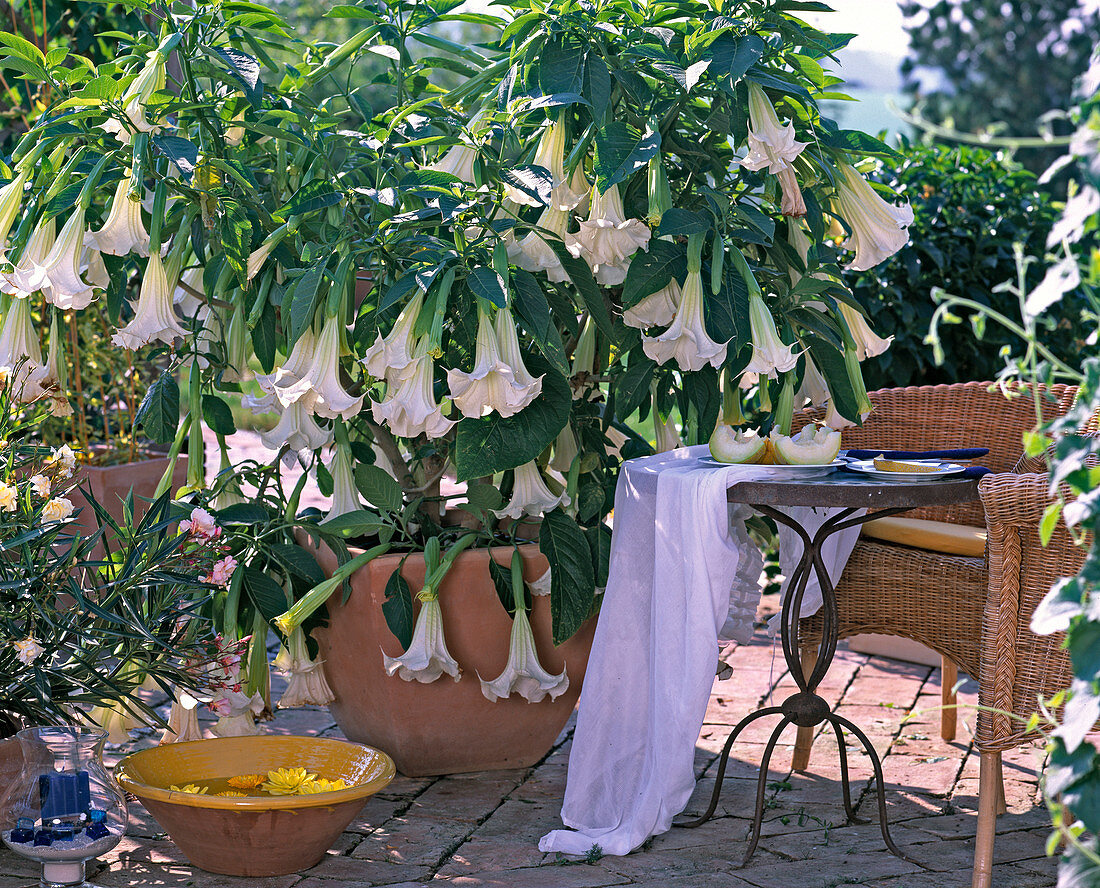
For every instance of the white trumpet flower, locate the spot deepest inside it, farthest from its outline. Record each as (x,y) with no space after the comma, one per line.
(183,720)
(258,257)
(530,495)
(607,239)
(771,145)
(11,200)
(391,357)
(868,343)
(524,674)
(93,269)
(28,276)
(665,435)
(190,305)
(770,356)
(409,408)
(151,79)
(533,253)
(20,351)
(879,229)
(550,155)
(492,384)
(345,495)
(793,203)
(687,341)
(116,719)
(319,388)
(306,684)
(527,387)
(153,318)
(814,388)
(833,418)
(427,657)
(296,428)
(237,713)
(458,162)
(61,267)
(565,450)
(123,231)
(655,310)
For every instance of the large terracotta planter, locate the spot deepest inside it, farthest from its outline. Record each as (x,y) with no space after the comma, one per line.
(110,485)
(11,765)
(445,727)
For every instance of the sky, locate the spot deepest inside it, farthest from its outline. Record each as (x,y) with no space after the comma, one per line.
(877,24)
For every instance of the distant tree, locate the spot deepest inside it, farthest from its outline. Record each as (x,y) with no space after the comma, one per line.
(977,64)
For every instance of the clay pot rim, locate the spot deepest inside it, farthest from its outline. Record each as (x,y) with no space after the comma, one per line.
(256,804)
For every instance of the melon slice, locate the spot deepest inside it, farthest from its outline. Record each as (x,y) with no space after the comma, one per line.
(813,446)
(730,445)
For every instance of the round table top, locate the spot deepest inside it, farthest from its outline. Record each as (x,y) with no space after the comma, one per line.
(849,490)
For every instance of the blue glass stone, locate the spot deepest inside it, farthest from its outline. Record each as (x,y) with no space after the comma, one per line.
(44,838)
(22,835)
(63,832)
(96,815)
(97,830)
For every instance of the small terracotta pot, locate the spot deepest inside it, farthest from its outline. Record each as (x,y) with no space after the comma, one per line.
(110,485)
(258,835)
(11,766)
(445,727)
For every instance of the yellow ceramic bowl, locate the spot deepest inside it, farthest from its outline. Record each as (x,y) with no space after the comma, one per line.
(254,835)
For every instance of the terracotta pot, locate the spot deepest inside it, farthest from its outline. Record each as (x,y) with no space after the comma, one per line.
(110,485)
(445,727)
(11,765)
(257,835)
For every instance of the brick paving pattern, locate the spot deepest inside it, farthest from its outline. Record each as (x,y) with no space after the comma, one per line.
(475,830)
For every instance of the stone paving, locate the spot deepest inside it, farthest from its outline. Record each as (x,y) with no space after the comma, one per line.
(482,829)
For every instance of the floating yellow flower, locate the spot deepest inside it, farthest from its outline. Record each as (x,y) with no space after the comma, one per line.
(287,781)
(321,785)
(246,781)
(231,793)
(190,788)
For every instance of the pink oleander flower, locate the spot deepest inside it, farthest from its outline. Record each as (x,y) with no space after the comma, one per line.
(201,525)
(222,571)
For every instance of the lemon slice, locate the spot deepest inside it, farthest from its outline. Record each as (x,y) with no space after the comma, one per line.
(893,465)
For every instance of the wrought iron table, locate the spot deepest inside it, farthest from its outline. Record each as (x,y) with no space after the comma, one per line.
(806,708)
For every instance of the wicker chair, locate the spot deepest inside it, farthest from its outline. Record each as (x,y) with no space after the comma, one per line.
(975,612)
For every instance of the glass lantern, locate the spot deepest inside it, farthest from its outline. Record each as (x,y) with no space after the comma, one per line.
(64,809)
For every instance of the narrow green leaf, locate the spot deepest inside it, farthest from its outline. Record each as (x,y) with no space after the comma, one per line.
(398,608)
(159,413)
(572,579)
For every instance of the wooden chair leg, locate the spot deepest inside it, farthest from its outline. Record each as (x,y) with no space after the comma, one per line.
(1001,806)
(804,742)
(988,784)
(949,674)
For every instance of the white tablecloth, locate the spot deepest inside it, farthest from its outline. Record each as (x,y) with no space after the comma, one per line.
(682,575)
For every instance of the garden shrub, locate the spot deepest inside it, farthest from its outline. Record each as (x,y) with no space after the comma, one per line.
(970,206)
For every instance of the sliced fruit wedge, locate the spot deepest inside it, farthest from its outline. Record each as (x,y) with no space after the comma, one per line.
(903,465)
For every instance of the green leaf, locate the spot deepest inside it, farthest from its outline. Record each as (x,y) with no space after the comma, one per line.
(303,299)
(533,181)
(572,579)
(243,513)
(159,413)
(560,67)
(502,582)
(727,313)
(297,562)
(590,292)
(379,487)
(353,524)
(489,285)
(676,221)
(244,69)
(651,271)
(314,195)
(858,143)
(1050,521)
(266,595)
(597,85)
(621,151)
(264,338)
(398,608)
(831,364)
(632,385)
(179,151)
(494,444)
(732,56)
(217,415)
(22,47)
(236,232)
(599,541)
(533,310)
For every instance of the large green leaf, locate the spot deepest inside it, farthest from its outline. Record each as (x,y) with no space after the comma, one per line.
(379,487)
(621,151)
(533,310)
(236,236)
(298,562)
(159,413)
(732,56)
(632,386)
(572,579)
(651,271)
(398,608)
(590,292)
(831,364)
(597,85)
(489,285)
(267,595)
(303,297)
(561,67)
(495,443)
(727,314)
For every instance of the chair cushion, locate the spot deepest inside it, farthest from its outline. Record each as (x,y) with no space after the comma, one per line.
(935,536)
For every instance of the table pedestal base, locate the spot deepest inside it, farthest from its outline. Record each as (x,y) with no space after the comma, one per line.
(806,708)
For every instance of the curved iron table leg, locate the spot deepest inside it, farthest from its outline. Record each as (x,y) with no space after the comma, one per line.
(806,708)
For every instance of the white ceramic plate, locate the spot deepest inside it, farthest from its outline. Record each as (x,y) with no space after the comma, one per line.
(937,469)
(788,473)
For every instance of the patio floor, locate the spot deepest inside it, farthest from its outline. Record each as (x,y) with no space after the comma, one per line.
(483,829)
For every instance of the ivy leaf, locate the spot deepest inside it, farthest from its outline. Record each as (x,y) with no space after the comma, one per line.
(398,608)
(159,413)
(621,151)
(572,579)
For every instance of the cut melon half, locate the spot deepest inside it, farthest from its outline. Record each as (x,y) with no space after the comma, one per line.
(730,445)
(813,446)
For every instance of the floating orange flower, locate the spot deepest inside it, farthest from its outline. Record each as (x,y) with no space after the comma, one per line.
(246,781)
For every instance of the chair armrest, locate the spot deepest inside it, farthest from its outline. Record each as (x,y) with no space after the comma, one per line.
(1014,499)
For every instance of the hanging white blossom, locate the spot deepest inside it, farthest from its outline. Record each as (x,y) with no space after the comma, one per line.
(183,720)
(298,429)
(409,408)
(391,356)
(237,713)
(565,450)
(771,144)
(524,674)
(306,684)
(655,310)
(427,657)
(154,320)
(687,342)
(879,229)
(770,356)
(318,387)
(607,239)
(492,384)
(123,231)
(11,203)
(116,719)
(151,79)
(868,343)
(345,495)
(665,435)
(61,267)
(28,275)
(533,253)
(20,352)
(550,155)
(530,495)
